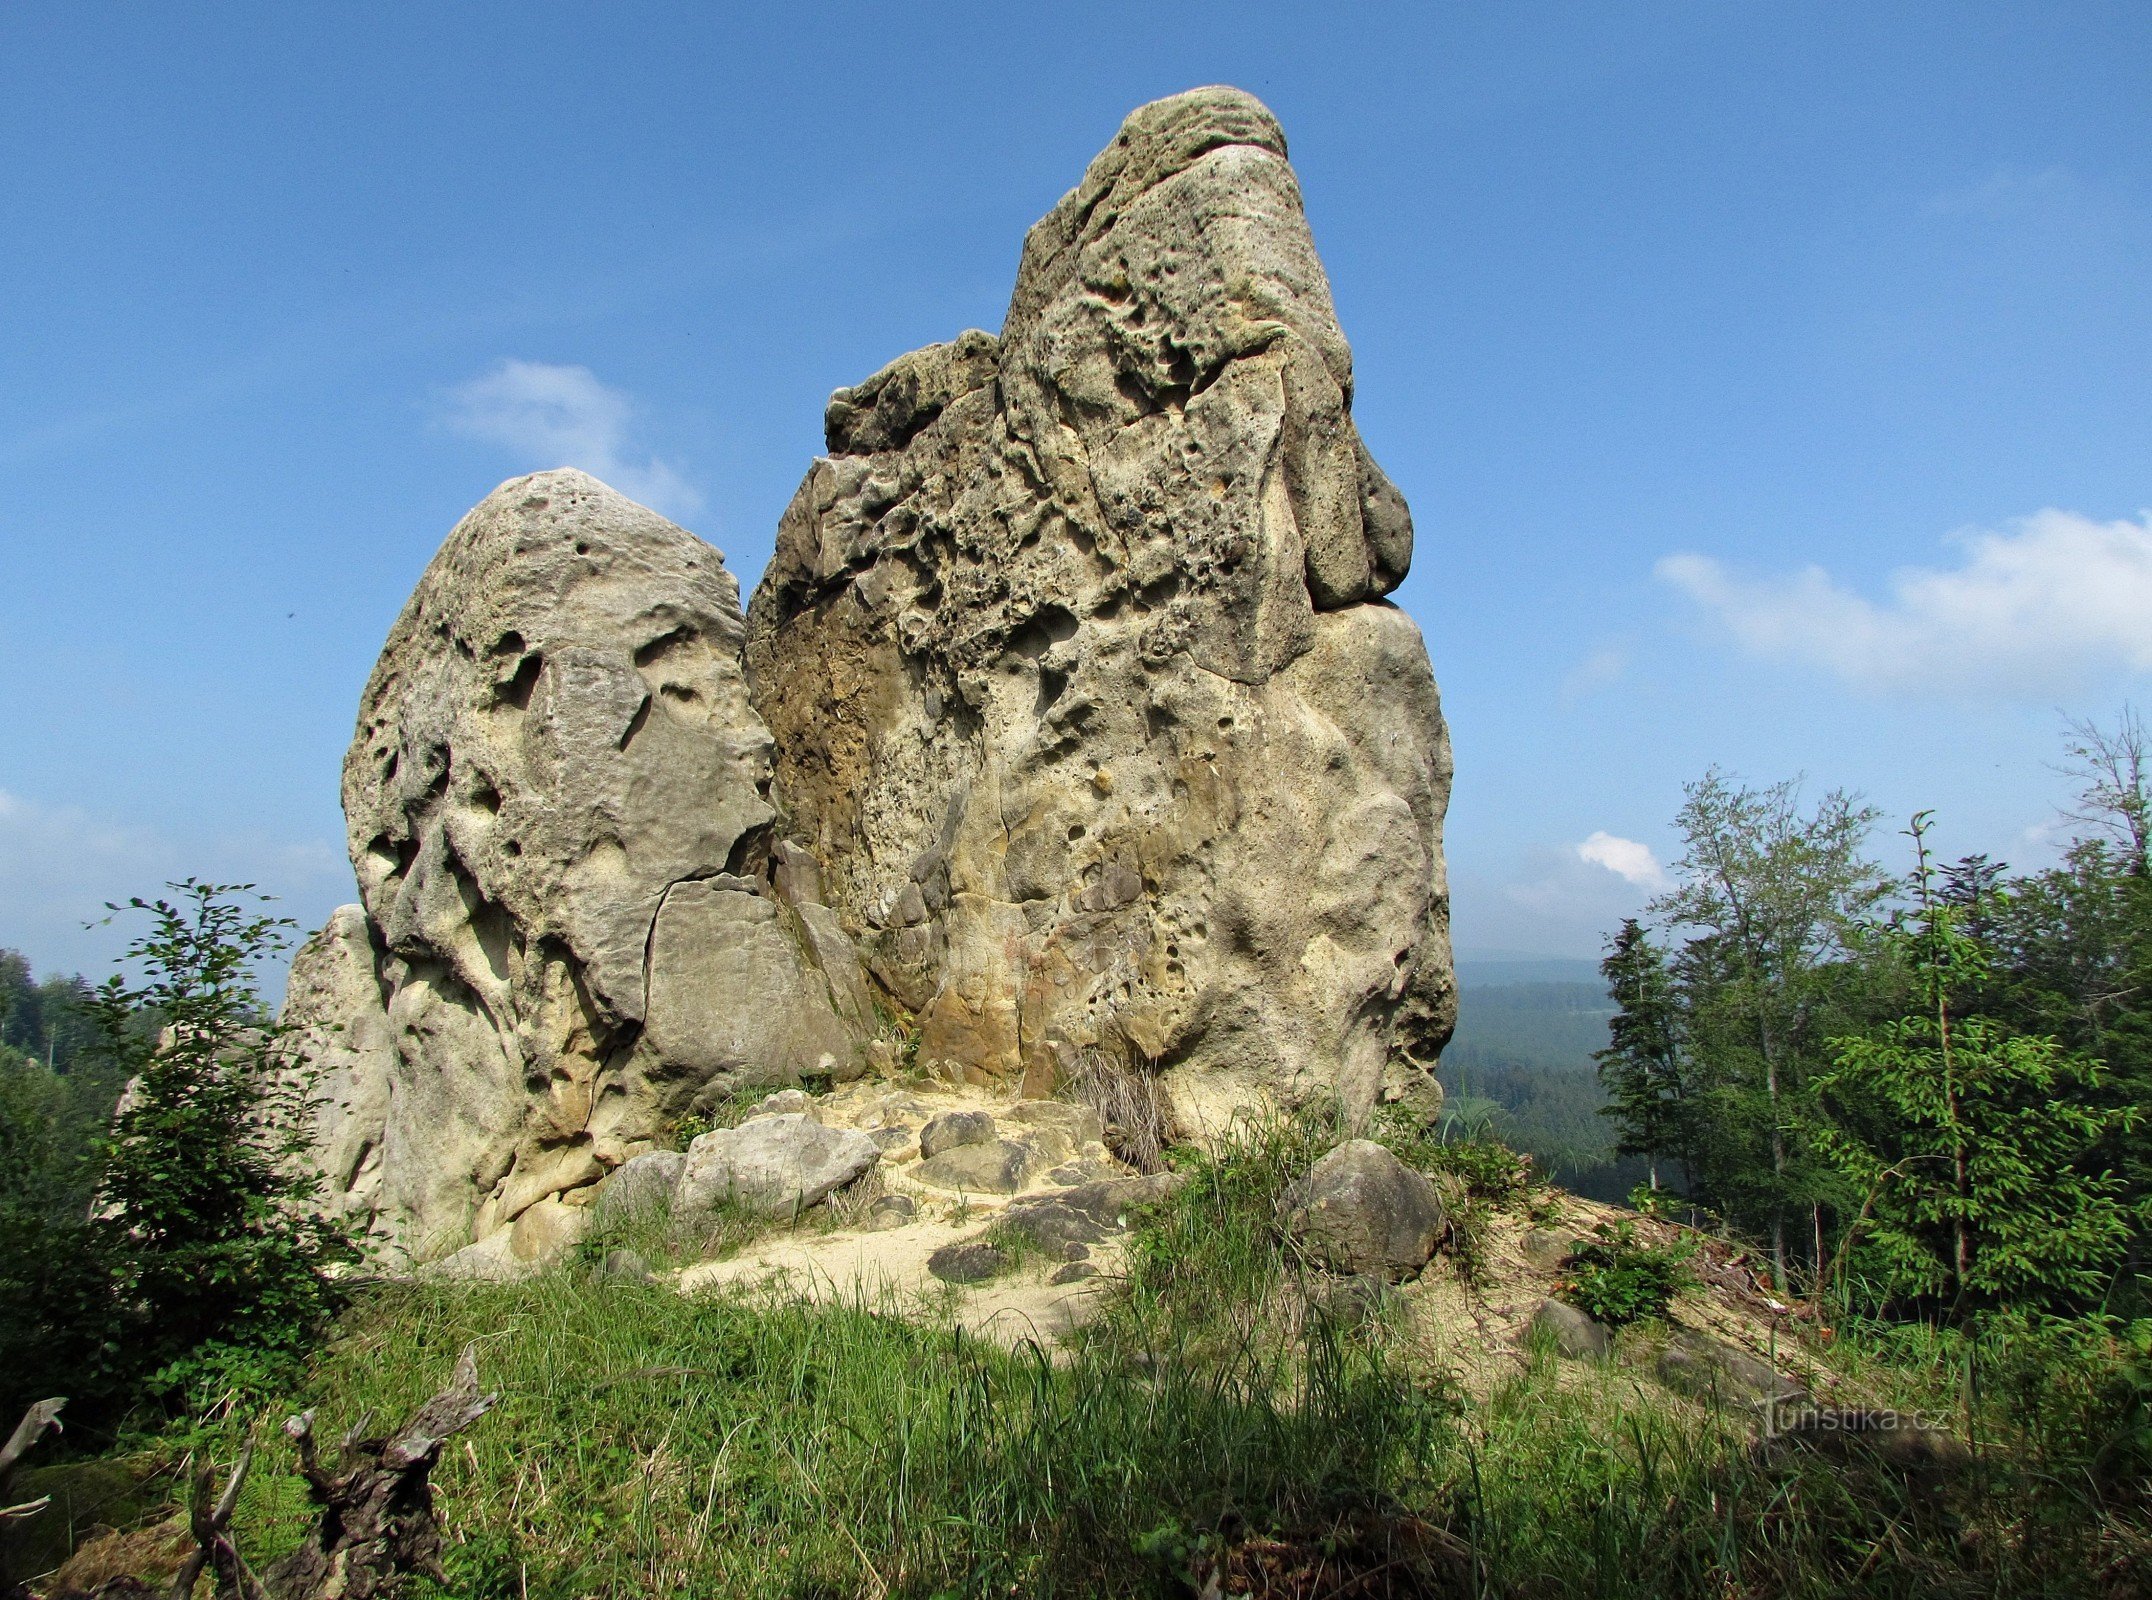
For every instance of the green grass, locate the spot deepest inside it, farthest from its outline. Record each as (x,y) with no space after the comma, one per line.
(650,1445)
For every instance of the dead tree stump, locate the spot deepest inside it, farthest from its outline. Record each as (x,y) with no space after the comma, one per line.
(377,1520)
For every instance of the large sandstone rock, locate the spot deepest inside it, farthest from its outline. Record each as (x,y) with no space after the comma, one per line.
(558,806)
(773,1165)
(1361,1210)
(1083,687)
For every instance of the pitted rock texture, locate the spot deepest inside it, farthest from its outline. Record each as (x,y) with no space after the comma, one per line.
(1082,684)
(558,806)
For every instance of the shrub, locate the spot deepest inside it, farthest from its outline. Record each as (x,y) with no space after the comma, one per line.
(1616,1278)
(207,1221)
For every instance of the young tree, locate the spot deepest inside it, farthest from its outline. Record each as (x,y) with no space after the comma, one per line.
(2113,769)
(1973,1145)
(207,1212)
(1644,1066)
(1777,899)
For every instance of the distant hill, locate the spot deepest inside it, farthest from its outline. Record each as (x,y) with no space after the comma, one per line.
(1521,1063)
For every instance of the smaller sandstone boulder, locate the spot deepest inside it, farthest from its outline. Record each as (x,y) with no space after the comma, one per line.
(891,1211)
(1706,1369)
(968,1261)
(1545,1248)
(784,1103)
(1569,1331)
(1360,1209)
(955,1128)
(773,1165)
(639,1188)
(998,1166)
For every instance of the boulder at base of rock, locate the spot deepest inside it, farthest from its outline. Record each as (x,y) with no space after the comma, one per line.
(1704,1369)
(998,1166)
(772,1165)
(1360,1209)
(1569,1331)
(783,1102)
(967,1261)
(954,1128)
(891,1211)
(639,1188)
(622,1266)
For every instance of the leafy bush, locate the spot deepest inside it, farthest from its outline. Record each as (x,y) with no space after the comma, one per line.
(207,1224)
(1489,1169)
(1616,1278)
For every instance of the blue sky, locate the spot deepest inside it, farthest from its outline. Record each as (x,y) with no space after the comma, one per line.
(1772,384)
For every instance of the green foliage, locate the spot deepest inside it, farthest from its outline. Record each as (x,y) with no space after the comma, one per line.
(1973,1147)
(207,1220)
(1616,1278)
(1484,1166)
(1649,1077)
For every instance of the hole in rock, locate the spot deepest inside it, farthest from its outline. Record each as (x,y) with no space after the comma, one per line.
(1051,683)
(665,644)
(517,690)
(1049,626)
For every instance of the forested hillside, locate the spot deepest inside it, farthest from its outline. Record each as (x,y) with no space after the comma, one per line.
(1522,1067)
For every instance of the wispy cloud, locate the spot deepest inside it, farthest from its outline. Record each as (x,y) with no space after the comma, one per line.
(562,416)
(2008,192)
(1600,670)
(60,866)
(2045,606)
(1625,858)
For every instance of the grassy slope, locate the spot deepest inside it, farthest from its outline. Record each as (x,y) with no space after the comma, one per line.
(651,1445)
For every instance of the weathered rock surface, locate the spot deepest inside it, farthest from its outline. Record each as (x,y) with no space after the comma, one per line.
(558,809)
(1083,688)
(641,1187)
(992,1166)
(1697,1365)
(774,1165)
(969,1261)
(334,999)
(1361,1210)
(1569,1331)
(954,1128)
(1070,702)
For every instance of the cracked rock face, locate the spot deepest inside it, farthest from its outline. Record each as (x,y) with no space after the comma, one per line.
(1082,684)
(558,807)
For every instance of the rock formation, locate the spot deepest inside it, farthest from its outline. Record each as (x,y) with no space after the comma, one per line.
(558,807)
(1083,687)
(1070,702)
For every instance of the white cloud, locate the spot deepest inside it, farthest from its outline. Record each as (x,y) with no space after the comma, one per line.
(2043,607)
(562,416)
(1625,858)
